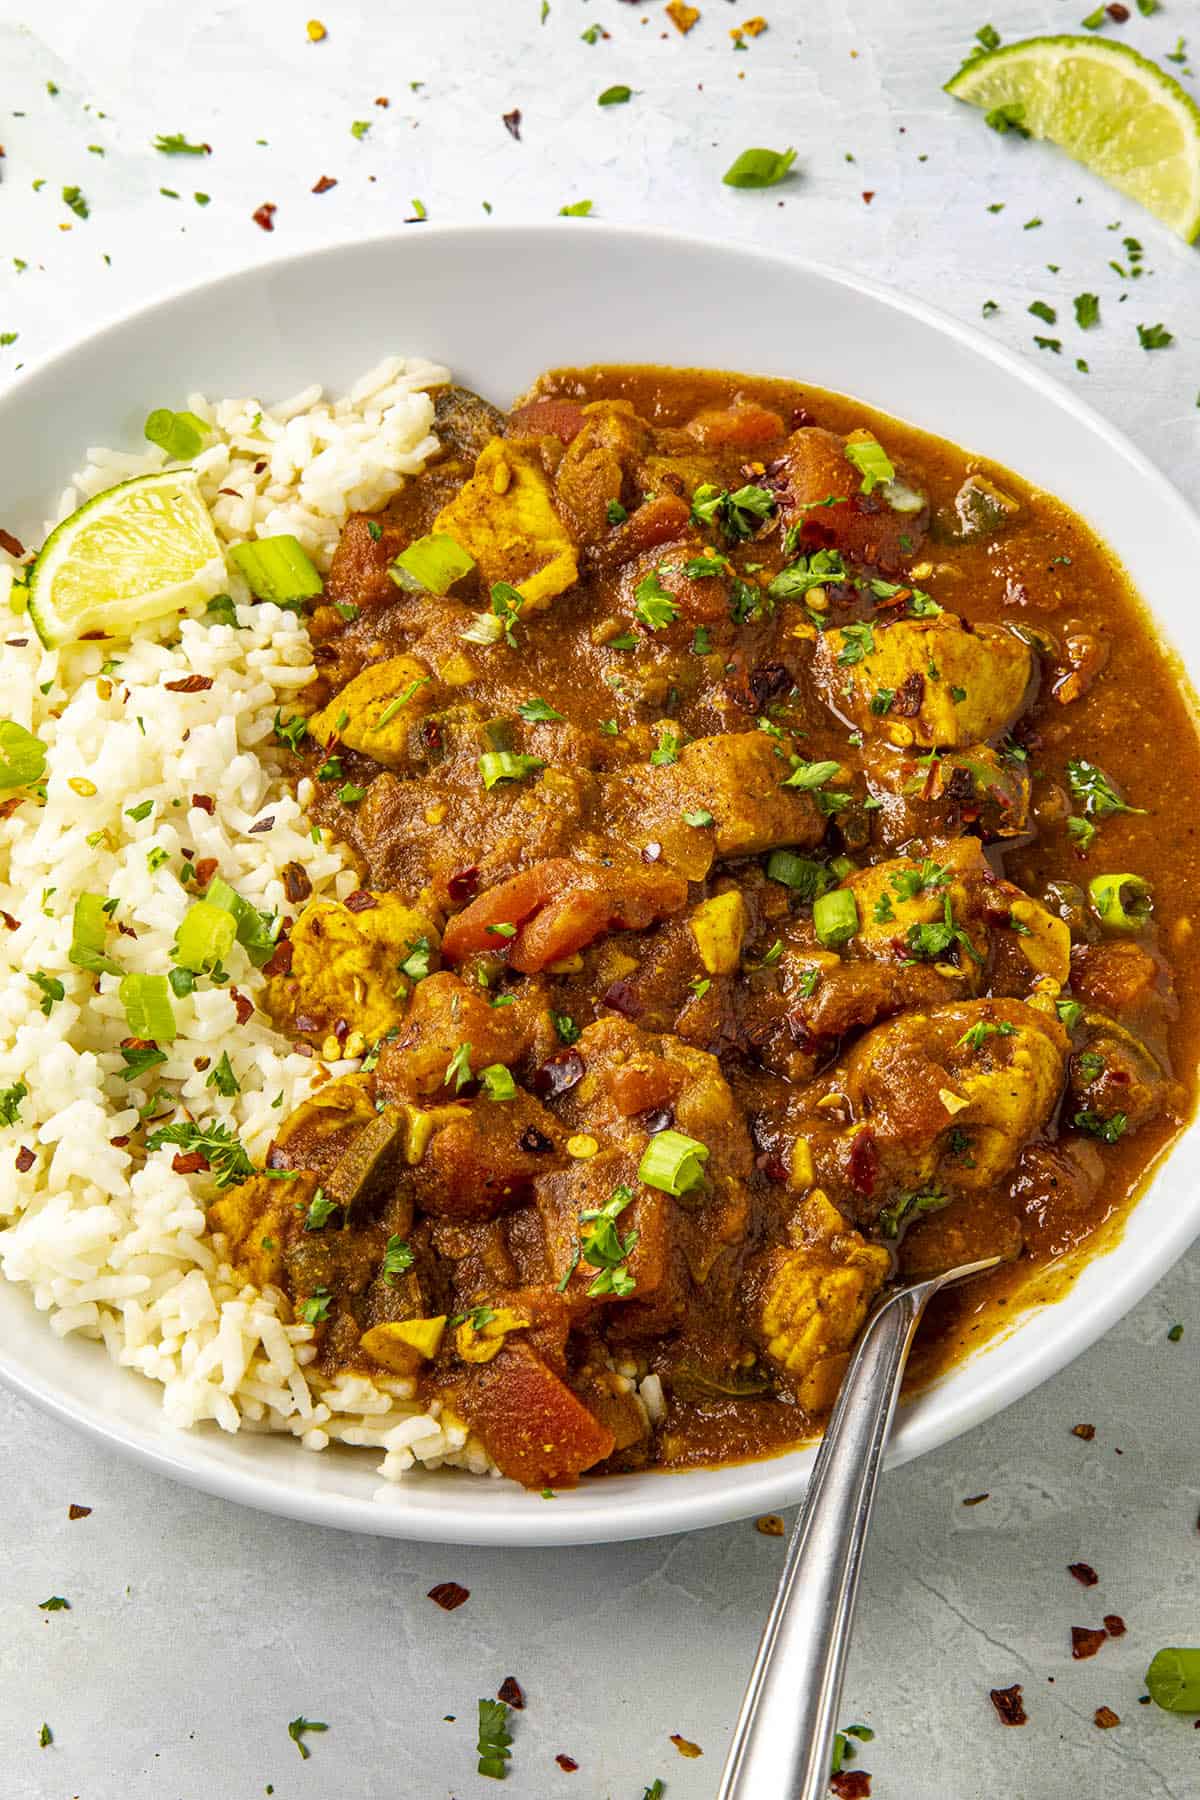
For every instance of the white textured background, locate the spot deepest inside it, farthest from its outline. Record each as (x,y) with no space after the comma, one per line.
(197,1630)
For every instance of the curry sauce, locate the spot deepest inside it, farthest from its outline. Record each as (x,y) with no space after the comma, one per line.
(771,879)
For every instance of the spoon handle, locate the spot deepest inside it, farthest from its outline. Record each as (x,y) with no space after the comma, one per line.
(783,1740)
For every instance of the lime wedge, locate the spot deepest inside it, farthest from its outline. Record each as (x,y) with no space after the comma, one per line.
(1106,106)
(137,551)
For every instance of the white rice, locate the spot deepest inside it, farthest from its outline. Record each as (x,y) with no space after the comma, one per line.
(114,1245)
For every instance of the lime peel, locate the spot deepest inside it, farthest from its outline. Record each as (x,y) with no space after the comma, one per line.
(1110,109)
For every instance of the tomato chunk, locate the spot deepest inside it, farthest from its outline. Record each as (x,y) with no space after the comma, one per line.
(535,1428)
(744,425)
(560,906)
(546,418)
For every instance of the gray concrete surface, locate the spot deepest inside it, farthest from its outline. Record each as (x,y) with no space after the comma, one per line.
(196,1631)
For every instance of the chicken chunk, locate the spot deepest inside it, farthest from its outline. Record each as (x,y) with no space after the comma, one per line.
(254,1218)
(738,778)
(376,711)
(933,1103)
(346,966)
(600,467)
(807,1304)
(927,682)
(919,797)
(481,1159)
(506,519)
(929,931)
(445,1016)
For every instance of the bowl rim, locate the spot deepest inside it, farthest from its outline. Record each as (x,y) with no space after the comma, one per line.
(674,1501)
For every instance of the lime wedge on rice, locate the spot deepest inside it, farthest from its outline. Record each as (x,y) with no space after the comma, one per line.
(1106,106)
(137,551)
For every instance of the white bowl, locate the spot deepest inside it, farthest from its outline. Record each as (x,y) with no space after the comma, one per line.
(498,305)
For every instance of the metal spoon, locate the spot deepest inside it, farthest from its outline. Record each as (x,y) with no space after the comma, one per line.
(783,1741)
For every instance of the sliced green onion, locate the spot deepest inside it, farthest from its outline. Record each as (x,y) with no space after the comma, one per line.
(277,569)
(805,877)
(431,564)
(256,931)
(206,935)
(498,1083)
(507,765)
(872,462)
(807,775)
(180,434)
(89,930)
(1173,1680)
(673,1163)
(485,628)
(758,168)
(399,703)
(148,1010)
(835,917)
(1122,903)
(22,756)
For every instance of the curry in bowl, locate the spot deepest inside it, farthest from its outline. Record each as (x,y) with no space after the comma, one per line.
(599,892)
(765,888)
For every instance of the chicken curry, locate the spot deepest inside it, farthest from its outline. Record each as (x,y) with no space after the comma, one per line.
(768,885)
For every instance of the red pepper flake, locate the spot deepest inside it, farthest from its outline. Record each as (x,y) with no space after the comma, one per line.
(78,1512)
(566,1763)
(205,802)
(1114,1624)
(13,545)
(449,1595)
(623,998)
(190,684)
(266,824)
(851,1784)
(1083,1573)
(510,1691)
(685,1746)
(11,924)
(264,215)
(461,886)
(382,100)
(119,1143)
(976,1499)
(280,962)
(361,900)
(868,195)
(1085,1641)
(245,1008)
(25,1159)
(296,884)
(191,1164)
(1104,1716)
(1086,1432)
(206,868)
(324,184)
(770,1524)
(1009,1705)
(512,122)
(1118,14)
(862,1165)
